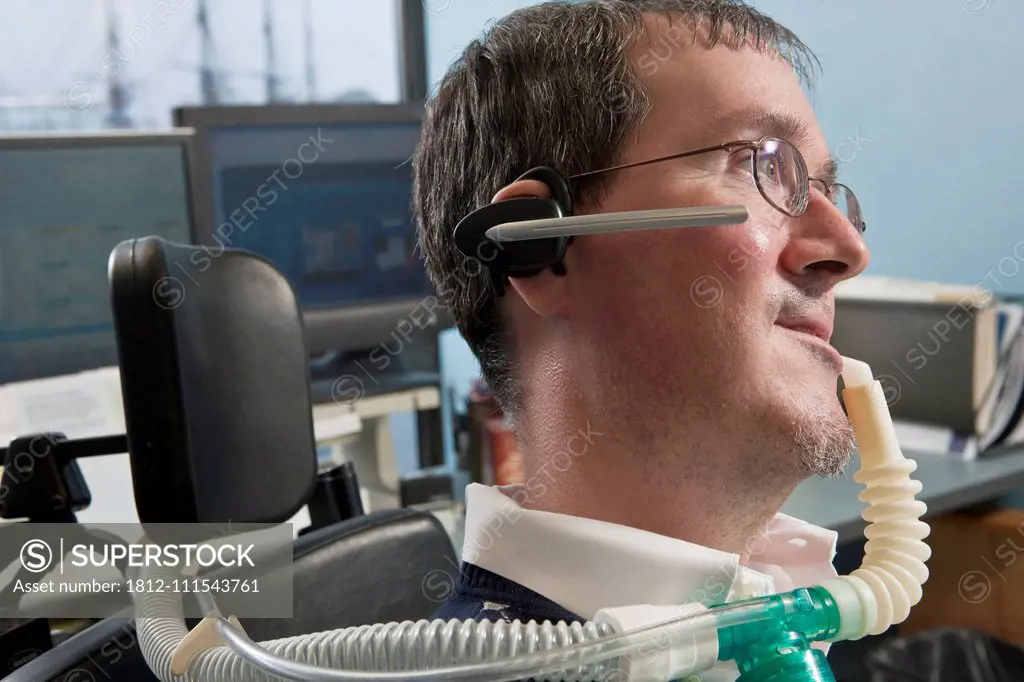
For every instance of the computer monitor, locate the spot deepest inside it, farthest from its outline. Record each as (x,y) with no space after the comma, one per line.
(323,192)
(65,202)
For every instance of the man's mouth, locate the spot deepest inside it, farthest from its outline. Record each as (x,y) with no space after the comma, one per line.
(820,328)
(816,331)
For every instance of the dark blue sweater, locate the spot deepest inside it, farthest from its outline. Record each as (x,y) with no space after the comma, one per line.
(482,595)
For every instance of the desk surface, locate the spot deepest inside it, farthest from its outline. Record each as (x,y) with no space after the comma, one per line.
(948,484)
(351,388)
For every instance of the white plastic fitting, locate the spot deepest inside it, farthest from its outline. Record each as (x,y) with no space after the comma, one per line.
(889,582)
(675,653)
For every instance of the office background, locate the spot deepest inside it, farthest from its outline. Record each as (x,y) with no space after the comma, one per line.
(924,144)
(918,98)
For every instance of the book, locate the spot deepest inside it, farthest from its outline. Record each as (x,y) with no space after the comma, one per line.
(915,438)
(1007,425)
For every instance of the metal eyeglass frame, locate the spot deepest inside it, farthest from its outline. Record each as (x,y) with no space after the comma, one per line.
(757,146)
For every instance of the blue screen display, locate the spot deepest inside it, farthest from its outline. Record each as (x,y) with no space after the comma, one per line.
(62,211)
(329,207)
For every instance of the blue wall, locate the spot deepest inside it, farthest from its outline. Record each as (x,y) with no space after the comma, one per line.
(934,92)
(920,99)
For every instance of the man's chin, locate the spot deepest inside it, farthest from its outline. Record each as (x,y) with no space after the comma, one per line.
(825,447)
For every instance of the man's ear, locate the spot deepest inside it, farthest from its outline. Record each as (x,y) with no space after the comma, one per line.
(544,293)
(521,189)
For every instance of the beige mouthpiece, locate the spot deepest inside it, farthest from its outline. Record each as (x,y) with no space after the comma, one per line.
(869,415)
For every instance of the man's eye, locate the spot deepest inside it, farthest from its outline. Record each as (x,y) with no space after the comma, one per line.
(772,169)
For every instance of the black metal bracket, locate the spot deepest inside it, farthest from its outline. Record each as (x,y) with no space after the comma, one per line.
(41,480)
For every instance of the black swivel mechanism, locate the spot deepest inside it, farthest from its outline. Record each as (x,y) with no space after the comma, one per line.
(524,258)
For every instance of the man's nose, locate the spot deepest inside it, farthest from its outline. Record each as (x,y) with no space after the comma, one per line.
(825,244)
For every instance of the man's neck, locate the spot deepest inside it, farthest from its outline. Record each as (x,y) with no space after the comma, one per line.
(650,464)
(695,497)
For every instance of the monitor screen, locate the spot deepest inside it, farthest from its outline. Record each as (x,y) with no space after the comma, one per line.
(328,205)
(65,203)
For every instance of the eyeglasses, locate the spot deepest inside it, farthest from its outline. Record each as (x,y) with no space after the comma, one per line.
(780,174)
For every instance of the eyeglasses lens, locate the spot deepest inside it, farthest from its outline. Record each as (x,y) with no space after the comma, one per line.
(845,200)
(781,175)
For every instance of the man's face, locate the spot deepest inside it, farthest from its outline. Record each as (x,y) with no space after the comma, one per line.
(719,335)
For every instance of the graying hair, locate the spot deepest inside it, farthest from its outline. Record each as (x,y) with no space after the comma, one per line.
(527,94)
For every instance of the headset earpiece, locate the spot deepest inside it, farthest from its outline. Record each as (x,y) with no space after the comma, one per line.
(518,259)
(555,181)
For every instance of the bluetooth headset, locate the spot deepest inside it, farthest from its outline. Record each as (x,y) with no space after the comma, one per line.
(521,237)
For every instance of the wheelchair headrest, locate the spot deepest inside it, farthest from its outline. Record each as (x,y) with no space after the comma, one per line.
(215,383)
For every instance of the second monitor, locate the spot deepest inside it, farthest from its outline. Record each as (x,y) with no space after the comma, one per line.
(323,192)
(65,202)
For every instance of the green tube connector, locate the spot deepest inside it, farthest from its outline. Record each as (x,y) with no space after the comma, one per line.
(777,647)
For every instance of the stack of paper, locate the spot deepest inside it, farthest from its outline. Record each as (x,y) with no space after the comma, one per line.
(83,405)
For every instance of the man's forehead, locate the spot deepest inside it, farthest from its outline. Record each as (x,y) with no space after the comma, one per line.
(703,96)
(665,35)
(719,79)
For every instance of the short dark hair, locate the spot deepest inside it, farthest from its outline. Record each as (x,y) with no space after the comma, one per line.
(550,85)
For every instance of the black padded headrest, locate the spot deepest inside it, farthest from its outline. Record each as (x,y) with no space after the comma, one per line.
(215,383)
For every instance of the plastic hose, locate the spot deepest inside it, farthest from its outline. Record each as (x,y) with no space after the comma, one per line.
(877,595)
(441,650)
(889,582)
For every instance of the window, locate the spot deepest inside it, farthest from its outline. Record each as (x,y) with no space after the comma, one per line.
(90,64)
(453,24)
